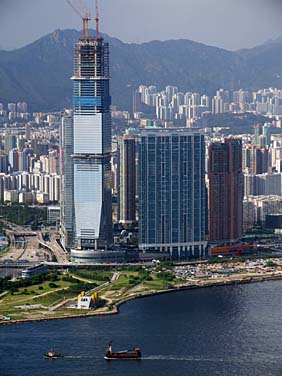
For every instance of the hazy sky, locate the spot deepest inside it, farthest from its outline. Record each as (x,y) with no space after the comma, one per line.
(230,24)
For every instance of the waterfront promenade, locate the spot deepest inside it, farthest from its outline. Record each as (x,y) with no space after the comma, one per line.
(128,284)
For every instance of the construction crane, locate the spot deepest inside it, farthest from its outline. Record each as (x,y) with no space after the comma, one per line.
(85,19)
(97,19)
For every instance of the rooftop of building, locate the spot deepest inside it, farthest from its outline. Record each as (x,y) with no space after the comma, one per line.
(170,131)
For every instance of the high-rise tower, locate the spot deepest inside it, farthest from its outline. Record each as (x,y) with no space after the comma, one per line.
(226,191)
(67,209)
(172,192)
(91,173)
(127,180)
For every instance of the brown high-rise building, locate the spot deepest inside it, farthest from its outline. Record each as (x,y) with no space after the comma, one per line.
(226,191)
(127,180)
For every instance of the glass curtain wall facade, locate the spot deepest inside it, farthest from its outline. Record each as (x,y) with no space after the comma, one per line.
(66,151)
(91,148)
(172,192)
(127,180)
(226,191)
(92,145)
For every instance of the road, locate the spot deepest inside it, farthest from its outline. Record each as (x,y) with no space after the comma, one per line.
(52,244)
(23,247)
(31,246)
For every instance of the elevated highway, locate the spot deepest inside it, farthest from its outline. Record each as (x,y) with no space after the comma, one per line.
(52,245)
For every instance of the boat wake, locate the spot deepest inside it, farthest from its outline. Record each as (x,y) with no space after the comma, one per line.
(182,358)
(257,359)
(73,357)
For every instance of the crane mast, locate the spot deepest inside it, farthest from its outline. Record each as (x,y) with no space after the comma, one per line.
(97,19)
(85,19)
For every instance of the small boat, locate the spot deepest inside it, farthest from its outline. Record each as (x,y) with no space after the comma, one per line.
(52,355)
(134,354)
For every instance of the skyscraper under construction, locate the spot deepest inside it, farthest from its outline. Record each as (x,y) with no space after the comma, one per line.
(86,149)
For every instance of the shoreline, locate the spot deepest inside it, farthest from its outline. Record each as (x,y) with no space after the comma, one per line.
(117,305)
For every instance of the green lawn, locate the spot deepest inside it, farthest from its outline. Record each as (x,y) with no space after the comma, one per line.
(47,293)
(50,293)
(5,250)
(124,279)
(126,282)
(156,284)
(28,295)
(53,298)
(121,283)
(99,276)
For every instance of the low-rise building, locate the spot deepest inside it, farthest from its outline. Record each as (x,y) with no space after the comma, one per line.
(11,196)
(53,214)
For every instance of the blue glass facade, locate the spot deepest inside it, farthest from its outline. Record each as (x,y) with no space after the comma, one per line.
(89,209)
(172,192)
(90,102)
(92,145)
(66,151)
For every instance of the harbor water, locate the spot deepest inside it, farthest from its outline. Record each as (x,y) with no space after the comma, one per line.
(232,330)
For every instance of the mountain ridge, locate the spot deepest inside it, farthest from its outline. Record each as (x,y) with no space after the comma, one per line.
(40,72)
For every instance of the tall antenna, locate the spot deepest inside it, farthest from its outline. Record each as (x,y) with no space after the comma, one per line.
(85,19)
(97,19)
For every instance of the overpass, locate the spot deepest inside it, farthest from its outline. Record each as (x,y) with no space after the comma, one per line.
(23,233)
(16,265)
(53,246)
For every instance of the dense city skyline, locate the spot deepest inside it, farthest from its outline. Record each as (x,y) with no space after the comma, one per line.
(175,188)
(201,20)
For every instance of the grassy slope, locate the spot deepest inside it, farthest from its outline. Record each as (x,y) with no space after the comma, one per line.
(39,294)
(129,283)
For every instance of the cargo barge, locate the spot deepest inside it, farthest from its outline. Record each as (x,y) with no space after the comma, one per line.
(134,354)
